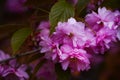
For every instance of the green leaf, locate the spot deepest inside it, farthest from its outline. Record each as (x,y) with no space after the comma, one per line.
(19,37)
(61,74)
(81,5)
(61,11)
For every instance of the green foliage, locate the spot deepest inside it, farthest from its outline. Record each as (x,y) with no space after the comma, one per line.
(61,11)
(19,37)
(61,74)
(81,5)
(113,4)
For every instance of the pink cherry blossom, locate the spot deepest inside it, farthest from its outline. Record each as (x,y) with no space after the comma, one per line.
(19,71)
(75,35)
(11,69)
(117,18)
(104,18)
(74,58)
(105,24)
(73,43)
(43,28)
(103,39)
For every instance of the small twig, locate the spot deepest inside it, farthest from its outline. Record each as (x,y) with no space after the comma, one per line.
(19,55)
(43,10)
(11,25)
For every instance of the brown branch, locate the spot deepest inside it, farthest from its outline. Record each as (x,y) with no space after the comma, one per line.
(19,55)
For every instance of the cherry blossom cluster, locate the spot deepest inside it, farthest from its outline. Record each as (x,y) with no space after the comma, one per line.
(12,70)
(73,43)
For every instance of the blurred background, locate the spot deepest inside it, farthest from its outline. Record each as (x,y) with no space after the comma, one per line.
(16,14)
